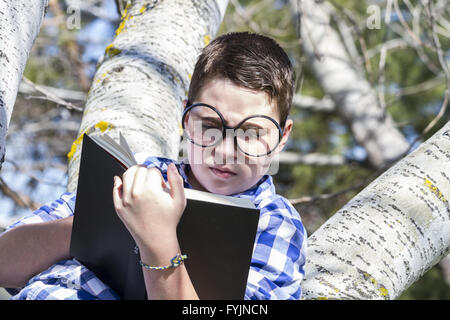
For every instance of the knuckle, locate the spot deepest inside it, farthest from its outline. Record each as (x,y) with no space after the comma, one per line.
(153,171)
(126,202)
(130,170)
(136,194)
(141,169)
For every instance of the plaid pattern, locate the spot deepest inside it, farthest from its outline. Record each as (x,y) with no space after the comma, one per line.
(276,268)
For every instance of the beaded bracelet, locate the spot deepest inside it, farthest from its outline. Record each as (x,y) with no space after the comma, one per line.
(174,262)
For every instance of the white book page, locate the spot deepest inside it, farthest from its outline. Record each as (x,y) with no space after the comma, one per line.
(107,143)
(217,198)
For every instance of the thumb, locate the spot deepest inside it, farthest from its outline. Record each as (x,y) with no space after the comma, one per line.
(176,183)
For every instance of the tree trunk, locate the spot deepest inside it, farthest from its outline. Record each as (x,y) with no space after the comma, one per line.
(144,75)
(389,234)
(352,94)
(20,21)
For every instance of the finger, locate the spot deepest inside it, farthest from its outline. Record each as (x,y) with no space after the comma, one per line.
(155,179)
(138,186)
(127,184)
(117,194)
(176,184)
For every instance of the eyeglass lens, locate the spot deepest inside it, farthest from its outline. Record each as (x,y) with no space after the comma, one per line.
(256,136)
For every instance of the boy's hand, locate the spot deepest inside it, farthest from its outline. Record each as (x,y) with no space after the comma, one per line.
(150,213)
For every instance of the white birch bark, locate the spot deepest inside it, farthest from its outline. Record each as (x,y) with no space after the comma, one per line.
(314,104)
(20,21)
(389,234)
(352,94)
(144,75)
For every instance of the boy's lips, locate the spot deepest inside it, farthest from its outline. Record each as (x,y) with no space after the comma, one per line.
(222,172)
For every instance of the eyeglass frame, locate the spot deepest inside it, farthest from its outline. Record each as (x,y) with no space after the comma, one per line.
(190,106)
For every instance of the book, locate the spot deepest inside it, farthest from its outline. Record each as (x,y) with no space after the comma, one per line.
(216,232)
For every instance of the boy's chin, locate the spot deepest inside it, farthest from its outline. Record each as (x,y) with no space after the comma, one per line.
(226,189)
(219,189)
(225,192)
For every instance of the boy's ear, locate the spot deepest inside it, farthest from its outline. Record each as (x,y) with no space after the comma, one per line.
(287,130)
(185,101)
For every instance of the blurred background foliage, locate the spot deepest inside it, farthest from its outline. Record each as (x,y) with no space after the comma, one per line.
(413,84)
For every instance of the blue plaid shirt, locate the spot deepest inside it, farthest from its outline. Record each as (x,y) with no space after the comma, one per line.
(276,268)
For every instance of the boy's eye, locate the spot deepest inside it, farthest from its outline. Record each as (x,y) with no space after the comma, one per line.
(247,128)
(252,133)
(210,125)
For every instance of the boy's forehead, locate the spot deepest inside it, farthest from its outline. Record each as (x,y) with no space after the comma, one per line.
(236,102)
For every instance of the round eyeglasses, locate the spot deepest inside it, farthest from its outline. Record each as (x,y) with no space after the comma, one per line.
(256,135)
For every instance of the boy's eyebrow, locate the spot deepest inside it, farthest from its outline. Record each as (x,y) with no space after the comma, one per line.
(246,125)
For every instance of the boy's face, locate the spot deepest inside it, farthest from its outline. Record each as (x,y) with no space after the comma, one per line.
(223,168)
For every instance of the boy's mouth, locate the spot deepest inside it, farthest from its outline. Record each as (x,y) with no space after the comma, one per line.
(222,172)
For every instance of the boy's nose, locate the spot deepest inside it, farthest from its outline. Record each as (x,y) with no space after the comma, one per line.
(226,150)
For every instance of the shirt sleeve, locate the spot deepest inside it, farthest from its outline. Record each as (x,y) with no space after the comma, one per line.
(53,210)
(279,254)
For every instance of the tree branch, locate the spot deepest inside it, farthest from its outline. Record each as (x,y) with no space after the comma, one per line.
(372,127)
(444,67)
(316,159)
(27,87)
(20,199)
(326,196)
(389,234)
(15,46)
(313,104)
(50,96)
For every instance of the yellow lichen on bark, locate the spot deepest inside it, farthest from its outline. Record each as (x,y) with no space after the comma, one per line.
(206,39)
(102,126)
(435,190)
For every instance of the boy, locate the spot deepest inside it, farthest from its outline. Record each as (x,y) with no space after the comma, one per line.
(236,122)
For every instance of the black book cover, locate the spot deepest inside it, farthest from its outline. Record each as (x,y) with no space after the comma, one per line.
(217,238)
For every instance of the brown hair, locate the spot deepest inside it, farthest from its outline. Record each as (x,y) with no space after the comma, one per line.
(249,60)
